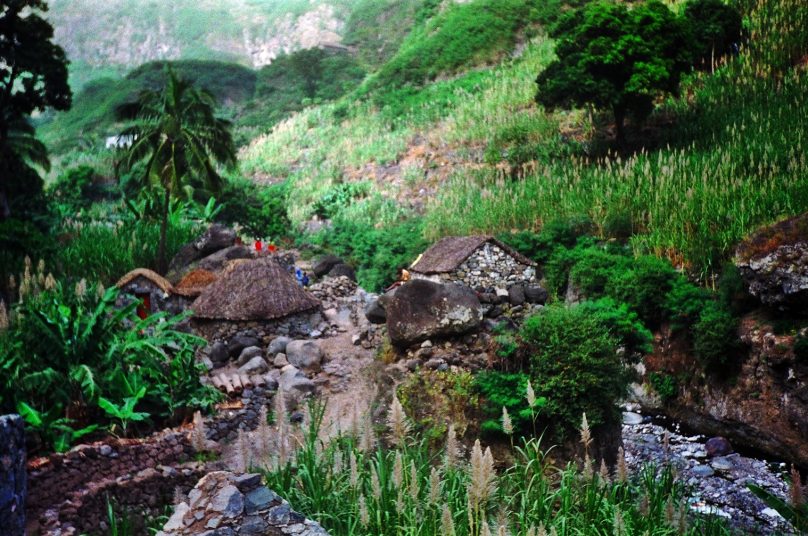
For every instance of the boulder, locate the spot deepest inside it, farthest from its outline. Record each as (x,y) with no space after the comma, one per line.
(304,354)
(773,262)
(239,343)
(343,270)
(375,312)
(535,294)
(421,310)
(256,365)
(247,354)
(718,446)
(218,353)
(325,264)
(216,261)
(280,361)
(278,345)
(294,382)
(216,238)
(516,295)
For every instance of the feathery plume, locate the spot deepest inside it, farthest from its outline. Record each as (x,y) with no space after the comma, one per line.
(414,489)
(604,473)
(40,267)
(485,530)
(50,282)
(198,433)
(507,424)
(81,288)
(100,290)
(241,453)
(531,394)
(434,486)
(354,478)
(619,527)
(355,429)
(398,470)
(3,315)
(375,484)
(553,531)
(368,440)
(481,485)
(263,436)
(531,531)
(795,491)
(542,531)
(400,501)
(622,468)
(452,447)
(586,434)
(447,522)
(397,423)
(282,427)
(670,512)
(364,515)
(12,283)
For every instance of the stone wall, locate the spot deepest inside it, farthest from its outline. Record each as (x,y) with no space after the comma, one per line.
(63,488)
(160,301)
(300,325)
(227,423)
(12,475)
(225,504)
(488,268)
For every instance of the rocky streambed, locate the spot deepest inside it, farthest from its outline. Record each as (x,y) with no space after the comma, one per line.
(716,477)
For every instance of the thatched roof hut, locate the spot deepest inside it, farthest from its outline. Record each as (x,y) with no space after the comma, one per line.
(259,289)
(150,276)
(194,282)
(448,254)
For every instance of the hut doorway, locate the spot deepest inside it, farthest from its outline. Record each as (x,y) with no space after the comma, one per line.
(144,309)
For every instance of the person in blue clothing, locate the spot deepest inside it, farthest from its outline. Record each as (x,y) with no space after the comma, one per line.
(299,276)
(305,280)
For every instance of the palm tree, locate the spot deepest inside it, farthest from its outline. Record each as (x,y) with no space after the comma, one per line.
(19,148)
(176,133)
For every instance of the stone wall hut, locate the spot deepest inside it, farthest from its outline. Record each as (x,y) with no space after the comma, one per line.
(480,262)
(154,291)
(257,295)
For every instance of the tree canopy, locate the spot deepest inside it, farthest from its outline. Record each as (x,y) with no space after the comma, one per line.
(175,131)
(715,27)
(33,77)
(615,57)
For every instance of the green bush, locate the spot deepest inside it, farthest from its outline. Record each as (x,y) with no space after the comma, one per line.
(74,357)
(574,363)
(684,303)
(644,287)
(715,338)
(665,386)
(339,196)
(558,233)
(434,399)
(622,323)
(261,211)
(595,269)
(73,188)
(507,390)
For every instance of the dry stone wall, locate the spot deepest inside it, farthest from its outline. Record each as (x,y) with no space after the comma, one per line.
(226,504)
(488,268)
(300,325)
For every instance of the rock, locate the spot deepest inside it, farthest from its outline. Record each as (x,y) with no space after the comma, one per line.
(434,363)
(704,471)
(247,354)
(325,264)
(516,295)
(718,446)
(356,339)
(228,501)
(216,238)
(296,383)
(304,354)
(412,364)
(280,361)
(253,526)
(722,464)
(426,344)
(278,345)
(247,482)
(216,261)
(218,353)
(256,365)
(421,310)
(773,262)
(239,343)
(175,521)
(343,270)
(534,294)
(631,418)
(259,499)
(375,312)
(297,417)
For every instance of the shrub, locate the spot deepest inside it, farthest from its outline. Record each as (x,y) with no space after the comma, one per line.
(684,303)
(574,363)
(665,386)
(261,211)
(507,390)
(715,338)
(644,287)
(435,399)
(594,269)
(622,323)
(339,197)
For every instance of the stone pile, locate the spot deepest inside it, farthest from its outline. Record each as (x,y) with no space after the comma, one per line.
(12,475)
(226,504)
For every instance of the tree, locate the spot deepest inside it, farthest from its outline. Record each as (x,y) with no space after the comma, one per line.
(33,76)
(715,26)
(176,133)
(615,58)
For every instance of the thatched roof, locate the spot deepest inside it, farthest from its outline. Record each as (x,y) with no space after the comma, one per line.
(161,282)
(259,289)
(194,283)
(447,254)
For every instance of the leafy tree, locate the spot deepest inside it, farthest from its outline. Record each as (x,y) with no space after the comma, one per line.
(176,133)
(617,58)
(33,76)
(715,26)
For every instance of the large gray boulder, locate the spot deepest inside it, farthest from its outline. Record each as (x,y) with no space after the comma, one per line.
(304,354)
(216,238)
(773,262)
(421,310)
(325,263)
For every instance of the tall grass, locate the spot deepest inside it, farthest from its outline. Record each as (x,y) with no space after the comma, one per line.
(354,489)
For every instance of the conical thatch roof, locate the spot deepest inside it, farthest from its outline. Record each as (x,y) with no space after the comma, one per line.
(447,254)
(258,289)
(194,283)
(161,282)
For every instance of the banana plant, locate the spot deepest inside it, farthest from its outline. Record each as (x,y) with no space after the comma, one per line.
(125,413)
(51,429)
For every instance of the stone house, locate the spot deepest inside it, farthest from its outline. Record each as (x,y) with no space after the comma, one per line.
(480,262)
(155,292)
(255,295)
